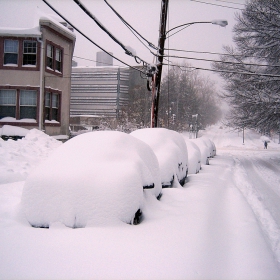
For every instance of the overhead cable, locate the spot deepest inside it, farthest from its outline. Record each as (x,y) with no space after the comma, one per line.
(130,27)
(202,2)
(66,20)
(226,71)
(229,2)
(128,52)
(220,61)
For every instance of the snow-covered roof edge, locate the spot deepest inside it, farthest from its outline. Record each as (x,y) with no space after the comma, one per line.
(22,32)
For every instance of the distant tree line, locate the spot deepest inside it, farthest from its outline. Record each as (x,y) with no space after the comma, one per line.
(251,69)
(183,95)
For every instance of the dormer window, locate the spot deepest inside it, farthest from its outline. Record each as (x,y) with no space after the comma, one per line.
(10,52)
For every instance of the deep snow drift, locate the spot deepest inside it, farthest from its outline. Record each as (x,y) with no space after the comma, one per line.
(223,224)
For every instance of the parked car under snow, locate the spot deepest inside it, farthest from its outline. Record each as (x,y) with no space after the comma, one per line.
(207,148)
(94,178)
(194,157)
(171,151)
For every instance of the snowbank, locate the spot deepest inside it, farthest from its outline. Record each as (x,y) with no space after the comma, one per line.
(171,151)
(18,158)
(94,178)
(9,130)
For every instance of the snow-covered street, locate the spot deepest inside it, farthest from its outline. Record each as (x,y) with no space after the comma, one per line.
(223,224)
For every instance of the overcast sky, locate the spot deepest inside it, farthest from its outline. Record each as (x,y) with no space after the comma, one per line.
(144,16)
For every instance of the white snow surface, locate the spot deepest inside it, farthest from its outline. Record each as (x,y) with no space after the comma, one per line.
(171,151)
(223,224)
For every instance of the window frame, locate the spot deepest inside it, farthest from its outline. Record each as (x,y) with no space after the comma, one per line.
(25,106)
(29,53)
(10,52)
(53,69)
(20,65)
(17,110)
(49,120)
(14,105)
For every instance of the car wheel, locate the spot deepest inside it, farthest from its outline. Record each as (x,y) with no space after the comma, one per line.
(137,218)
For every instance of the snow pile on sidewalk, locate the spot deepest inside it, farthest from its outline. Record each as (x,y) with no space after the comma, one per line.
(18,158)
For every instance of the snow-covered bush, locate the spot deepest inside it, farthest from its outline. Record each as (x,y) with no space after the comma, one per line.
(93,178)
(171,151)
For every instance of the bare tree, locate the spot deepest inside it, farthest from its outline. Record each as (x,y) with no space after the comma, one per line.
(251,70)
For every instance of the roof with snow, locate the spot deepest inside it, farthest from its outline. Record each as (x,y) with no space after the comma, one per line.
(52,21)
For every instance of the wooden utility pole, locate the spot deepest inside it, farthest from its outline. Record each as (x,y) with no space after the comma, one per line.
(157,78)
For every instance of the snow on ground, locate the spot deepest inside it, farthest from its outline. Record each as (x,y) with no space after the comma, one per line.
(223,224)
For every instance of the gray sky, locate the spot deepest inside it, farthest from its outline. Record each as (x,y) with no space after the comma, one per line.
(144,16)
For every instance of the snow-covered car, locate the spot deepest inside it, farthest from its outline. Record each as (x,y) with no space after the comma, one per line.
(93,178)
(207,148)
(194,157)
(204,150)
(211,146)
(171,151)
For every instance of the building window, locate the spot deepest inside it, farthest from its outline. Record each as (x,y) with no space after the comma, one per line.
(52,106)
(58,53)
(10,52)
(29,52)
(28,104)
(50,56)
(7,103)
(54,59)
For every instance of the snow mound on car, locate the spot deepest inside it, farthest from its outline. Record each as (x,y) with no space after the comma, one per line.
(194,157)
(94,178)
(170,149)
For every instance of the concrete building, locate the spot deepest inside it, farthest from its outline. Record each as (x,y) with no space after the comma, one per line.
(104,59)
(35,70)
(99,91)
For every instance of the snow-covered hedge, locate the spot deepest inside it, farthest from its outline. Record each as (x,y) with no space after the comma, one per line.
(93,178)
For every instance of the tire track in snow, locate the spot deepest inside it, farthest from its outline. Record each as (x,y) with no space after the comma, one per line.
(257,192)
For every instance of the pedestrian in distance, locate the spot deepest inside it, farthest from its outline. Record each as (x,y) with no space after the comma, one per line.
(265,144)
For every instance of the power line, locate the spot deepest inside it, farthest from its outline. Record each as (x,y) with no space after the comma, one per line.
(85,10)
(128,52)
(225,71)
(202,2)
(66,20)
(220,61)
(130,27)
(223,54)
(229,2)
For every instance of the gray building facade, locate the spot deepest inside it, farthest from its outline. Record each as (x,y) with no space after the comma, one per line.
(104,59)
(99,91)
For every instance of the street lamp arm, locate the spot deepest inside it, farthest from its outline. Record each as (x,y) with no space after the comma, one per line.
(222,23)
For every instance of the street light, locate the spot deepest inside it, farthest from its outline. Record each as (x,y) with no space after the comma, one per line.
(219,22)
(156,75)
